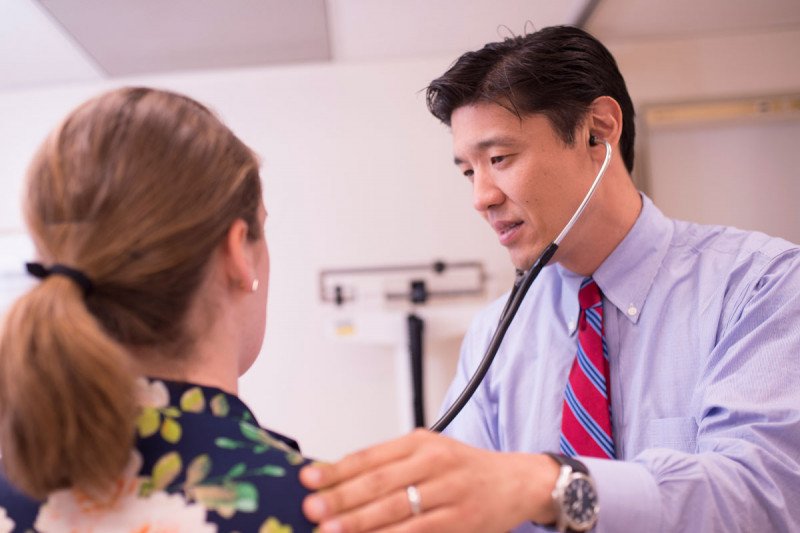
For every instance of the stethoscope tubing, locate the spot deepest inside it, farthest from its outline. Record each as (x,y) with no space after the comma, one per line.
(518,292)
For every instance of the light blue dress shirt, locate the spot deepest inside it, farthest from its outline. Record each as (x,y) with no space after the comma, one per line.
(703,332)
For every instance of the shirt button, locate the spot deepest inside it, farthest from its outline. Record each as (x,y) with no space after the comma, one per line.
(571,326)
(632,310)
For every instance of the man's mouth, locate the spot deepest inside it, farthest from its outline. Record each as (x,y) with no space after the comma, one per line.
(507,230)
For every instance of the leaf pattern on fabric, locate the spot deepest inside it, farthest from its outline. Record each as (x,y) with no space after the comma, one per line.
(171,430)
(200,462)
(227,498)
(192,401)
(229,444)
(166,470)
(124,510)
(156,416)
(237,470)
(226,493)
(148,422)
(217,498)
(273,525)
(198,470)
(266,442)
(219,405)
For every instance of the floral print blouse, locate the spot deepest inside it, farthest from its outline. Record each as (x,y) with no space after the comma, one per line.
(201,464)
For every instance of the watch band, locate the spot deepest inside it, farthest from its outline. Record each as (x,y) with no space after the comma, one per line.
(576,465)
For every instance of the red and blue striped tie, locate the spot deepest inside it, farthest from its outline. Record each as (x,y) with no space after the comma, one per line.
(586,417)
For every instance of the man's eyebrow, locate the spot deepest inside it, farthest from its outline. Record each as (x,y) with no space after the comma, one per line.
(491,142)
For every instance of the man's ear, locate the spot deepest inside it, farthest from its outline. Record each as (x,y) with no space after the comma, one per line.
(604,120)
(238,256)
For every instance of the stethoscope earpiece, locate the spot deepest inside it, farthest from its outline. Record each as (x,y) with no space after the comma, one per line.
(593,140)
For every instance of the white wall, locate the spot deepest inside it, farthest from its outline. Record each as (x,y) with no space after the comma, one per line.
(735,174)
(357,173)
(719,66)
(719,173)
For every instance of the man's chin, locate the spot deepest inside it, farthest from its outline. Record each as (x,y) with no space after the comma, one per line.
(524,260)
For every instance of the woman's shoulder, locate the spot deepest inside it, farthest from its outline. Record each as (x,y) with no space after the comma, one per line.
(207,446)
(250,490)
(201,463)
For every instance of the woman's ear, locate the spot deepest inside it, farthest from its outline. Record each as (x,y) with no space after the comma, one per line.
(238,256)
(605,120)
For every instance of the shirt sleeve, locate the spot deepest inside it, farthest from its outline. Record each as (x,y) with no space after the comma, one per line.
(745,472)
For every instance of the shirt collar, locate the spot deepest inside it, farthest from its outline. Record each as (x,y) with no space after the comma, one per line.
(570,283)
(625,277)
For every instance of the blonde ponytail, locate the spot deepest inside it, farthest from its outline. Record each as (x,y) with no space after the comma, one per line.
(67,400)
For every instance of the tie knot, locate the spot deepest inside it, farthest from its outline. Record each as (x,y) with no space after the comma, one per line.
(589,295)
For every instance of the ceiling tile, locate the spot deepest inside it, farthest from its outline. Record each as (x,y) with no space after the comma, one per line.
(146,36)
(369,29)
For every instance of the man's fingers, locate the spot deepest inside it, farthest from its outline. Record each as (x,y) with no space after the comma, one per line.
(366,487)
(395,512)
(319,476)
(391,509)
(440,521)
(369,490)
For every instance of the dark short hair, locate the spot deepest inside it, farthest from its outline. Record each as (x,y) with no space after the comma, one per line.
(557,72)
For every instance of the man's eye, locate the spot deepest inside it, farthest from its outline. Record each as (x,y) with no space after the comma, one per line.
(497,159)
(468,173)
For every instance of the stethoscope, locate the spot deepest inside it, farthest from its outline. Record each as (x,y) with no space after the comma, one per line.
(518,291)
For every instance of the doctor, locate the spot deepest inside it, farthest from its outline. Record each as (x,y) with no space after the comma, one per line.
(650,379)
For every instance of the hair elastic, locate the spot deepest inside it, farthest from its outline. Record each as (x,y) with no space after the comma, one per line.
(40,271)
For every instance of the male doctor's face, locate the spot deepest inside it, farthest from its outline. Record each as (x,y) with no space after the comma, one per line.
(526,181)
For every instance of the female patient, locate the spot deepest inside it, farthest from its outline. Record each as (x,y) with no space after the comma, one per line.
(118,370)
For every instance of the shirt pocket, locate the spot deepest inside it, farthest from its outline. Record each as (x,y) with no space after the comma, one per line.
(679,433)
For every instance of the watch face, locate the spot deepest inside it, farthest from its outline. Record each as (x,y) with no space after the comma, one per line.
(580,503)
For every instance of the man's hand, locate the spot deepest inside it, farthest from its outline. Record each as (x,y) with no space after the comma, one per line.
(461,488)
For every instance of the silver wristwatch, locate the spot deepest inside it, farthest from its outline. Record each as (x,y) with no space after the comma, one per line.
(575,496)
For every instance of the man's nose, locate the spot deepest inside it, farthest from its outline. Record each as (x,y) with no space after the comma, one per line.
(485,192)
